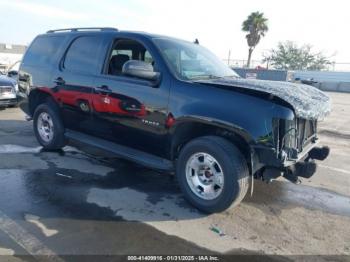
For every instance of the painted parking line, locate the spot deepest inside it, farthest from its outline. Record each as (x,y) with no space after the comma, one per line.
(26,240)
(6,252)
(36,221)
(17,149)
(335,169)
(7,149)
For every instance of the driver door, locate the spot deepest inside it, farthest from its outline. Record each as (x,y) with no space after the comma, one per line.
(128,110)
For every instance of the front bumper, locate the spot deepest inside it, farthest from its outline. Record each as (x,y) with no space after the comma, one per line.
(291,151)
(8,97)
(291,169)
(8,102)
(268,156)
(291,141)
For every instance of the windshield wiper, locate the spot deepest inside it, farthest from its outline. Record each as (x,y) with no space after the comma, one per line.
(203,77)
(233,76)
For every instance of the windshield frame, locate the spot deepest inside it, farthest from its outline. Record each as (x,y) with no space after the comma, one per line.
(176,74)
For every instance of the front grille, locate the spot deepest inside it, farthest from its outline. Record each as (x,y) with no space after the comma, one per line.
(6,89)
(295,135)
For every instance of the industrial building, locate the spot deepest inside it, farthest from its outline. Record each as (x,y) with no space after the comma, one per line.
(10,54)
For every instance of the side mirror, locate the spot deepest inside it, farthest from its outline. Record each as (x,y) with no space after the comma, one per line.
(12,73)
(140,69)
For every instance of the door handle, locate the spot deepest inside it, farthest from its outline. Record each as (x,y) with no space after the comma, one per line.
(104,89)
(130,106)
(59,81)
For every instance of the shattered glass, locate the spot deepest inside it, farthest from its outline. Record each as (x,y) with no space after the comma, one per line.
(307,101)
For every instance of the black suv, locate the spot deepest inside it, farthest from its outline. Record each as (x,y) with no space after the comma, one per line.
(170,105)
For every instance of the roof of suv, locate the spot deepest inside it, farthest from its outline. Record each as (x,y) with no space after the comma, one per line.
(103,30)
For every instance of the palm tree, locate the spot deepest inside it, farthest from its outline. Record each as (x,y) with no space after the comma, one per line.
(256,26)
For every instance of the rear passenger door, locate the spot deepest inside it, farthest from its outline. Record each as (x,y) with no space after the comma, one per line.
(73,81)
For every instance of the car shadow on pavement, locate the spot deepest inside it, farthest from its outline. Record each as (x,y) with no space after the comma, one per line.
(136,193)
(128,186)
(154,196)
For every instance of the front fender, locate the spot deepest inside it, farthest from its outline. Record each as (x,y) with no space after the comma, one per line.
(251,116)
(212,122)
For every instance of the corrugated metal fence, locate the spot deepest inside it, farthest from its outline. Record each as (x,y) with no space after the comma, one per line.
(326,80)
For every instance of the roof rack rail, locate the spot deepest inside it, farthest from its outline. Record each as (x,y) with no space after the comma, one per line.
(82,29)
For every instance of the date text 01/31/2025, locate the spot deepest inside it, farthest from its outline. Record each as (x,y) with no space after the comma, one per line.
(173,258)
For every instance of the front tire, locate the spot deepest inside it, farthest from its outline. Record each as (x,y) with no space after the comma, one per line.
(48,126)
(212,173)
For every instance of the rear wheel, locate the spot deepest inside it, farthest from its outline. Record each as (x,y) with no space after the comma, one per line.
(212,174)
(48,126)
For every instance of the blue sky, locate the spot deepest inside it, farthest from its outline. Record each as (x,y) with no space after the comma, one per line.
(216,24)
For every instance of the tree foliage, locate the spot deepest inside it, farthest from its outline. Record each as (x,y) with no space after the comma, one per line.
(289,56)
(256,26)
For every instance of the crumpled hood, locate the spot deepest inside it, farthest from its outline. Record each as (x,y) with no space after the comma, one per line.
(307,101)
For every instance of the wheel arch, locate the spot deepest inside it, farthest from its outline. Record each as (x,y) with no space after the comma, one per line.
(37,97)
(190,128)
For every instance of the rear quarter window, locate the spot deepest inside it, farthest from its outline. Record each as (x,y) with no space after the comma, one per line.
(82,55)
(43,50)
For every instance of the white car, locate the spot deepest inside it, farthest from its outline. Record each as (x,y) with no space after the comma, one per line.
(8,91)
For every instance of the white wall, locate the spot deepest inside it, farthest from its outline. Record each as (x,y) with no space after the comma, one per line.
(323,76)
(9,59)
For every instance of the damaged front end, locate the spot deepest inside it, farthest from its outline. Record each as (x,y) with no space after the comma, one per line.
(287,146)
(295,150)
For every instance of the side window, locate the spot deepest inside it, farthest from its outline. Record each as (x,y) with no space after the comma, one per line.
(148,58)
(43,50)
(172,55)
(125,50)
(82,55)
(122,52)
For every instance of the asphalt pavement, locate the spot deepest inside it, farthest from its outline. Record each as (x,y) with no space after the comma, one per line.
(73,202)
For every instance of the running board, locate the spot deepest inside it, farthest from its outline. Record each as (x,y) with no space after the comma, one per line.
(128,153)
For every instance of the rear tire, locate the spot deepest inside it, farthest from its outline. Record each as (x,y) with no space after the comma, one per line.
(48,126)
(230,174)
